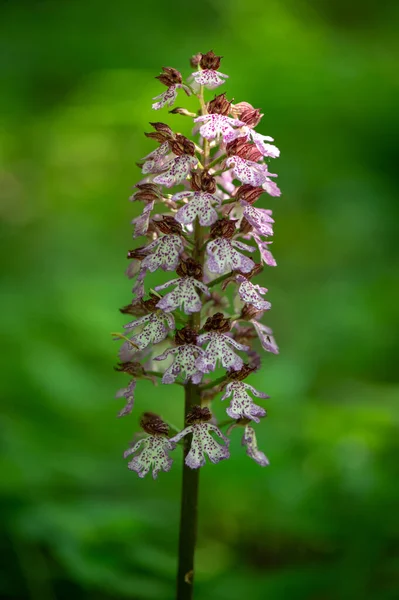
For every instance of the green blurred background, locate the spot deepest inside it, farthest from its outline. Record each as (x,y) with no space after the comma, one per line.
(322,521)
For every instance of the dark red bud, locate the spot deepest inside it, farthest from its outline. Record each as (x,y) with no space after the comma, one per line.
(249,312)
(203,181)
(185,336)
(198,414)
(169,76)
(217,322)
(168,225)
(243,373)
(225,228)
(247,113)
(195,60)
(190,268)
(181,145)
(153,424)
(131,368)
(210,61)
(248,193)
(219,105)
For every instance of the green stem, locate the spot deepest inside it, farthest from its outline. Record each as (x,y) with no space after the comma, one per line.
(216,160)
(188,510)
(160,375)
(212,384)
(190,480)
(219,279)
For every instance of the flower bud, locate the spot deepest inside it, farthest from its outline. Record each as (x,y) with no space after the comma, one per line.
(151,304)
(236,146)
(153,424)
(182,111)
(248,193)
(225,228)
(198,414)
(249,312)
(190,268)
(185,336)
(168,225)
(210,61)
(147,192)
(219,105)
(243,373)
(258,268)
(137,309)
(203,181)
(218,322)
(245,226)
(137,253)
(240,147)
(169,76)
(131,368)
(195,60)
(181,145)
(162,132)
(247,113)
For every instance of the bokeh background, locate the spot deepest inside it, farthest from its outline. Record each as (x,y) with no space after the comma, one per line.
(321,523)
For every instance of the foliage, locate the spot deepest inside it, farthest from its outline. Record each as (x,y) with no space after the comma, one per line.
(321,521)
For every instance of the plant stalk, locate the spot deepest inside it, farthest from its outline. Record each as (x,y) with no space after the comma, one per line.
(188,511)
(190,478)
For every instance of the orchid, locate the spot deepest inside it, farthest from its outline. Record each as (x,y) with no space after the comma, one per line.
(206,240)
(169,96)
(202,442)
(249,440)
(218,126)
(242,405)
(200,204)
(176,170)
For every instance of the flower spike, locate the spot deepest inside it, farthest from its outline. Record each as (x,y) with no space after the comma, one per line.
(198,301)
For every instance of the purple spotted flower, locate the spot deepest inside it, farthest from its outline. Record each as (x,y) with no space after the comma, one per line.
(223,256)
(242,405)
(250,293)
(202,442)
(218,349)
(265,335)
(164,252)
(173,80)
(154,449)
(141,222)
(176,170)
(157,159)
(260,218)
(199,205)
(251,117)
(183,296)
(253,173)
(154,328)
(209,78)
(128,394)
(249,440)
(169,96)
(260,140)
(218,126)
(185,355)
(219,346)
(184,361)
(265,254)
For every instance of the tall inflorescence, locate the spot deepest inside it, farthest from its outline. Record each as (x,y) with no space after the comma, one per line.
(203,225)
